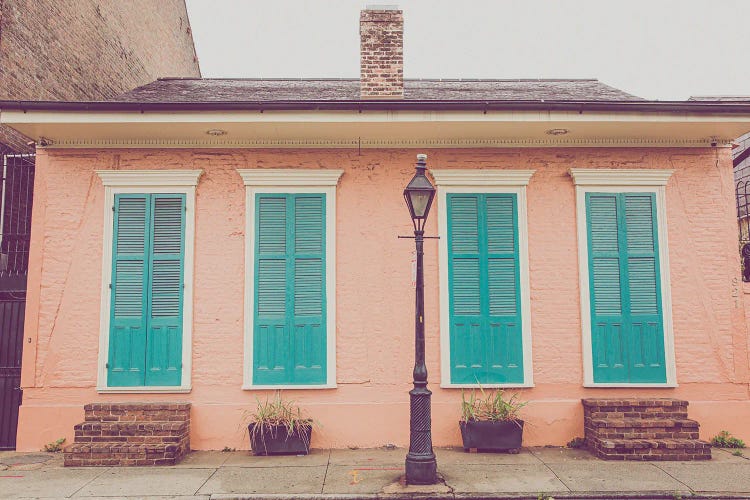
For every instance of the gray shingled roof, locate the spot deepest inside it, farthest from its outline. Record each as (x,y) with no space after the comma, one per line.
(186,90)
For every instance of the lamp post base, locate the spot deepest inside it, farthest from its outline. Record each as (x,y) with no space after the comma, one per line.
(421,470)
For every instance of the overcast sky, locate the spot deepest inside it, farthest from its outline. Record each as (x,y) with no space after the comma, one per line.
(657,49)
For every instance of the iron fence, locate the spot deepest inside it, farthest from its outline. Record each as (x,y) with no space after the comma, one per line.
(742,195)
(16,197)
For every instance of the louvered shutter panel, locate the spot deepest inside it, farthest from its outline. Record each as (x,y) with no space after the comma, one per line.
(308,311)
(164,348)
(129,294)
(504,335)
(626,327)
(271,338)
(605,270)
(290,312)
(646,327)
(485,317)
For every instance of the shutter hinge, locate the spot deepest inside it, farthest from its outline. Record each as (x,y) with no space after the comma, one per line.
(113,208)
(106,365)
(110,286)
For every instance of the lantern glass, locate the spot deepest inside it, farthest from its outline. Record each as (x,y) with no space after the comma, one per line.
(420,201)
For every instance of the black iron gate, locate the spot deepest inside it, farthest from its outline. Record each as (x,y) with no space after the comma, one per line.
(15,228)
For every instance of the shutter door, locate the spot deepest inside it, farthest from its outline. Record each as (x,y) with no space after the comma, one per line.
(289,334)
(626,327)
(164,347)
(485,317)
(646,327)
(308,310)
(129,296)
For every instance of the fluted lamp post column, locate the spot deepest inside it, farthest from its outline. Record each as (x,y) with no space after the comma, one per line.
(421,466)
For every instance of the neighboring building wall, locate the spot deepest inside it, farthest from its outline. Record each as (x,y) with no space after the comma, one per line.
(375,295)
(79,50)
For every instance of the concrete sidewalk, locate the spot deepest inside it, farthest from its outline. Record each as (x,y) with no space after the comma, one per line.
(374,473)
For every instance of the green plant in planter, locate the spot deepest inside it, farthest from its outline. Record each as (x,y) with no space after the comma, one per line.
(490,422)
(491,406)
(278,426)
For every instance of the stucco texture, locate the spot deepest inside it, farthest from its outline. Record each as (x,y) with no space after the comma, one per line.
(374,294)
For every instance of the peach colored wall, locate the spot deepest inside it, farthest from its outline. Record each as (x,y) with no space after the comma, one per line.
(374,293)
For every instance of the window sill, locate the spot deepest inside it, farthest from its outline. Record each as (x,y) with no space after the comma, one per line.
(486,386)
(631,386)
(286,387)
(143,390)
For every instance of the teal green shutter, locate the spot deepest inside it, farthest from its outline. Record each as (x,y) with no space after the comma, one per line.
(484,288)
(627,330)
(164,348)
(129,295)
(289,329)
(145,346)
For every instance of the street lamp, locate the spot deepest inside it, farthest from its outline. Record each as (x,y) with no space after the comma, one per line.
(421,466)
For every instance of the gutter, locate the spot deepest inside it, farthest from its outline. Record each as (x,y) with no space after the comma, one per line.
(696,107)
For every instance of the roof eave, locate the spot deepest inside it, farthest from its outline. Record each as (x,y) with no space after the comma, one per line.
(711,107)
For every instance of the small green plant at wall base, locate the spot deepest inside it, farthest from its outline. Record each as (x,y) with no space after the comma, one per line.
(227,449)
(576,442)
(737,453)
(725,440)
(54,446)
(490,406)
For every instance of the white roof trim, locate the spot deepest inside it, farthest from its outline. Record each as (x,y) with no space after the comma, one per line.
(487,177)
(151,178)
(289,177)
(620,176)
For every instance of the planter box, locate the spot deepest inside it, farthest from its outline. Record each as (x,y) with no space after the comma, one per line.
(277,441)
(492,436)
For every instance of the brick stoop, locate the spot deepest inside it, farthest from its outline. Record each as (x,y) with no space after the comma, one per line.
(128,434)
(642,429)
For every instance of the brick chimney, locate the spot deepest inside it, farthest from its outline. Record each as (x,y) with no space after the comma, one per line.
(381,35)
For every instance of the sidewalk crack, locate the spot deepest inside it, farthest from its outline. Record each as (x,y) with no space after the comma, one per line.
(325,476)
(207,479)
(570,490)
(670,475)
(97,476)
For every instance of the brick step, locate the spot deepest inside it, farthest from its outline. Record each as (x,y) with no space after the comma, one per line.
(637,428)
(124,454)
(635,408)
(644,423)
(152,428)
(131,432)
(137,412)
(650,449)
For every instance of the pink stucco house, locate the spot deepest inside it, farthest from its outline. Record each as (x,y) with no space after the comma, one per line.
(210,241)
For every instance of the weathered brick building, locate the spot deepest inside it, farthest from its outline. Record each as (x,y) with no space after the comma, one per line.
(79,50)
(63,50)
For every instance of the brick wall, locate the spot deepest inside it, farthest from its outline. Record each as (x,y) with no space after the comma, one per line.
(381,34)
(89,49)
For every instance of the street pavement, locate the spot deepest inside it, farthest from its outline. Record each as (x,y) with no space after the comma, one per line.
(536,473)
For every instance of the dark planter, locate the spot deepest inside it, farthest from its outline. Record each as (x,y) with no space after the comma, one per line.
(276,440)
(485,435)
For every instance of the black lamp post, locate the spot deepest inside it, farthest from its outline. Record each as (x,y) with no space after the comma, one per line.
(421,466)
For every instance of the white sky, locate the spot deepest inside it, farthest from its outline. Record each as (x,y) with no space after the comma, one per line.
(657,49)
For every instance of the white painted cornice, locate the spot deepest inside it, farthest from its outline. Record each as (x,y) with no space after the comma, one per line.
(646,142)
(289,177)
(619,177)
(485,177)
(151,178)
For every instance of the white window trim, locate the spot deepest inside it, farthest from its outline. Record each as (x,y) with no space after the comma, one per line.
(603,180)
(483,181)
(147,182)
(290,181)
